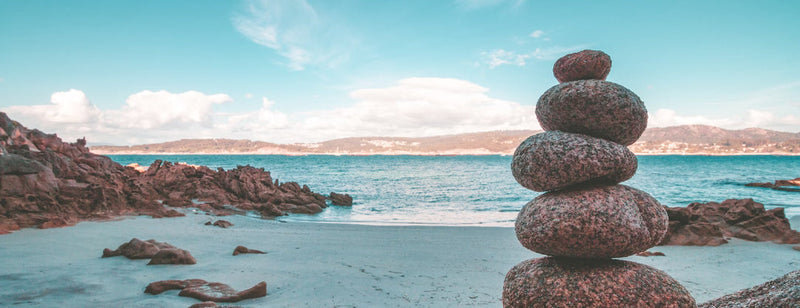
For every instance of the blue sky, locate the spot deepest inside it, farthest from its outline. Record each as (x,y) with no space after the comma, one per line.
(126,72)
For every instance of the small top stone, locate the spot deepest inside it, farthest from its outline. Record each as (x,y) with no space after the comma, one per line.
(587,64)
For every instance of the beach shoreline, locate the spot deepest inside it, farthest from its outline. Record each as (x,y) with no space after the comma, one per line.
(326,264)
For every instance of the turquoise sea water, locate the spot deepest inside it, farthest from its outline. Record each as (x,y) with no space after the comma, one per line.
(479,190)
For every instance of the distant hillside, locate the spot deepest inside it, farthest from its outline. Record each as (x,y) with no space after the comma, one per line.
(686,139)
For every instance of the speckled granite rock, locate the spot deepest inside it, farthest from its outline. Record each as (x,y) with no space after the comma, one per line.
(587,64)
(561,282)
(781,292)
(592,222)
(596,108)
(553,160)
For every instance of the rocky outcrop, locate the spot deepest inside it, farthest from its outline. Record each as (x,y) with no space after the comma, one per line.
(47,183)
(246,187)
(712,223)
(207,291)
(220,223)
(781,292)
(554,160)
(586,64)
(563,282)
(784,185)
(138,249)
(341,199)
(241,249)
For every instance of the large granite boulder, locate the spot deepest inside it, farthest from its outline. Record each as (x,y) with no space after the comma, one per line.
(563,282)
(172,256)
(711,223)
(554,160)
(586,64)
(781,292)
(592,222)
(596,108)
(138,249)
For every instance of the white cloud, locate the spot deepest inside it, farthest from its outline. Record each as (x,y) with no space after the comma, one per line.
(148,110)
(537,34)
(256,123)
(295,30)
(500,57)
(421,107)
(65,107)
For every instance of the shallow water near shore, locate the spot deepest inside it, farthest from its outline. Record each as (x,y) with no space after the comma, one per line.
(324,265)
(479,190)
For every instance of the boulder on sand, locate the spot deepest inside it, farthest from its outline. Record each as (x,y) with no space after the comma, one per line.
(565,282)
(207,291)
(172,256)
(781,292)
(241,249)
(138,249)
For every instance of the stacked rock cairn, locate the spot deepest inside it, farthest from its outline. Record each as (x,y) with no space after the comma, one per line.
(585,218)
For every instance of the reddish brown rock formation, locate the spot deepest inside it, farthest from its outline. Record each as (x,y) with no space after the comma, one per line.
(591,222)
(596,108)
(554,160)
(340,199)
(563,282)
(781,292)
(172,256)
(47,183)
(246,187)
(207,291)
(241,249)
(138,249)
(586,64)
(784,185)
(711,223)
(220,223)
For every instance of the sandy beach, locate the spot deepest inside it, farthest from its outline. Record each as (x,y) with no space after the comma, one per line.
(324,265)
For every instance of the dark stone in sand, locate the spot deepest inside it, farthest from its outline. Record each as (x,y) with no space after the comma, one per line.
(341,199)
(563,282)
(207,291)
(204,305)
(138,249)
(596,108)
(781,292)
(592,222)
(220,223)
(710,223)
(554,160)
(241,249)
(586,64)
(172,256)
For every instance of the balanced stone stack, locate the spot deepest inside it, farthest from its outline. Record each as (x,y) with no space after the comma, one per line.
(586,218)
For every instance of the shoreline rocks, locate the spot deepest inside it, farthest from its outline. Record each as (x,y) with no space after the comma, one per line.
(781,292)
(157,252)
(710,224)
(48,183)
(783,185)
